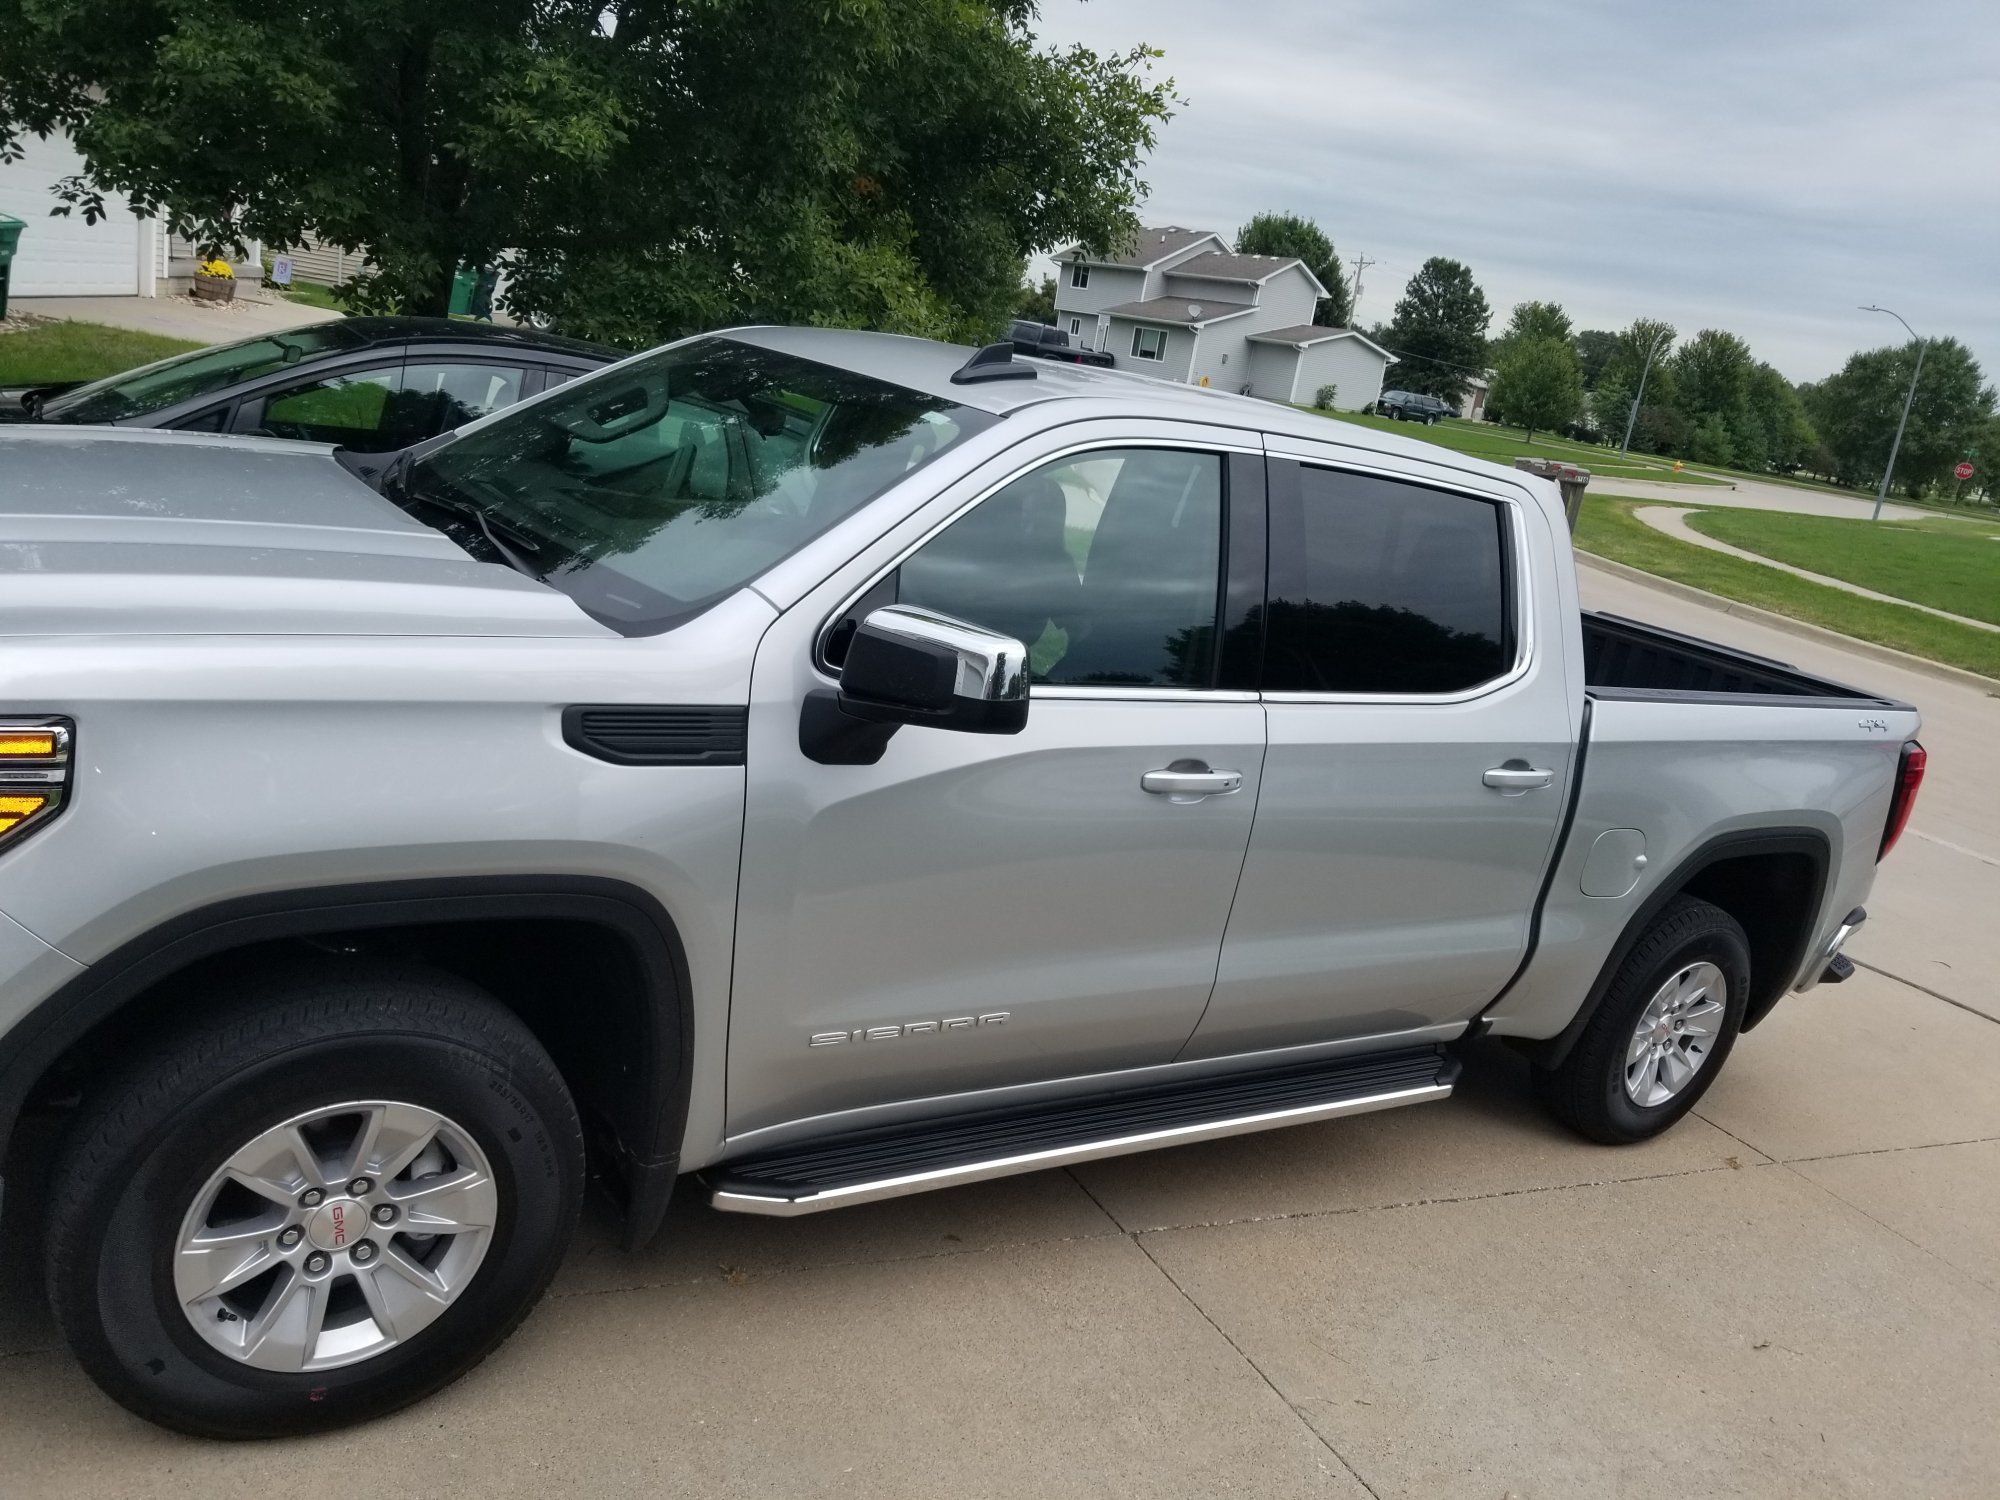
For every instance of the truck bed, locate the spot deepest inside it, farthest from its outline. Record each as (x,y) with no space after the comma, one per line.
(1626,659)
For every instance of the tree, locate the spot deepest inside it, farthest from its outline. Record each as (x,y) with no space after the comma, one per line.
(1856,413)
(1439,330)
(1712,374)
(1618,384)
(1594,349)
(658,168)
(1289,234)
(1539,384)
(1784,433)
(1037,303)
(1536,320)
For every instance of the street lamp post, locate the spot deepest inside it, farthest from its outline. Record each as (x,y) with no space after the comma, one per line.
(1644,370)
(1904,421)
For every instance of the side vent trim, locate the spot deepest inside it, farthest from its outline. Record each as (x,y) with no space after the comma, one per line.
(641,734)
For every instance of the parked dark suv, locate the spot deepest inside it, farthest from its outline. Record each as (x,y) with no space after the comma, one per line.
(1409,406)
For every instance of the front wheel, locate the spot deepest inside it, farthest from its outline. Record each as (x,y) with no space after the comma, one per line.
(331,1200)
(1662,1032)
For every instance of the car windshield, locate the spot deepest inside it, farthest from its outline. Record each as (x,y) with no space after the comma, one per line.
(650,491)
(155,387)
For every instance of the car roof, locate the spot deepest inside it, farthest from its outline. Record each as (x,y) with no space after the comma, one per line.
(375,332)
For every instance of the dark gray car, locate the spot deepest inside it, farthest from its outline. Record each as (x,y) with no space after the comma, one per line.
(368,384)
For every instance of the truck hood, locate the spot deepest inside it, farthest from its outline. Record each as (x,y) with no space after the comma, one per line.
(111,531)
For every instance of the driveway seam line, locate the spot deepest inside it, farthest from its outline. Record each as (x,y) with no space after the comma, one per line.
(1924,989)
(1976,1140)
(1371,1208)
(1290,1406)
(1922,1249)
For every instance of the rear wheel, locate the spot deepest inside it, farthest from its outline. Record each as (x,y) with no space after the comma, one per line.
(332,1200)
(1663,1031)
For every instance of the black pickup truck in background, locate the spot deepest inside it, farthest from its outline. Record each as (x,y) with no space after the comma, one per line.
(1052,343)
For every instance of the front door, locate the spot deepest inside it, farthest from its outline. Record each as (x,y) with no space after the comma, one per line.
(1419,754)
(978,911)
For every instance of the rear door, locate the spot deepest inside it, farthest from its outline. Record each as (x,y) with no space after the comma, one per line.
(1419,751)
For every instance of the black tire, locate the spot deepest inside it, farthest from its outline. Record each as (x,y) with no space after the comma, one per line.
(1587,1090)
(287,1043)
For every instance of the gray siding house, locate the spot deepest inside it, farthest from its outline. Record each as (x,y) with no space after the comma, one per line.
(1177,304)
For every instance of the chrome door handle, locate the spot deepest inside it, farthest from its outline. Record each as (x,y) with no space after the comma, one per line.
(1516,777)
(1191,778)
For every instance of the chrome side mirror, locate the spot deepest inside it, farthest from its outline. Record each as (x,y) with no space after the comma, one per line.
(913,666)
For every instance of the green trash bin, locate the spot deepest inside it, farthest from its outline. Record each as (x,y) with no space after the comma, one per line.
(463,283)
(10,241)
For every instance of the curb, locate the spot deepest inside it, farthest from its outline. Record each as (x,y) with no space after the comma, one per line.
(1789,626)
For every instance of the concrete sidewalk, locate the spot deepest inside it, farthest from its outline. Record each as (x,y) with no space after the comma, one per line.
(178,317)
(1755,494)
(1793,1293)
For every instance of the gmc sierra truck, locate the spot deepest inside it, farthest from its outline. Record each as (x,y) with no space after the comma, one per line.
(824,766)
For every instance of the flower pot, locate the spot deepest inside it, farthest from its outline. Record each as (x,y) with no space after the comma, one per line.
(214,288)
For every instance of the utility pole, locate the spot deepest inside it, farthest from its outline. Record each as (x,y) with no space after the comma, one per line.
(1361,263)
(1904,421)
(1646,369)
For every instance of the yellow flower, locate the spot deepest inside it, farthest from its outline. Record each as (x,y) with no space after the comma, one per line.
(217,267)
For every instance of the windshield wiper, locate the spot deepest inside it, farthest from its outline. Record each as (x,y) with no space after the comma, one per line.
(394,484)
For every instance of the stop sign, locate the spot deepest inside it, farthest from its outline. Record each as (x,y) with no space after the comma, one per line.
(1963,471)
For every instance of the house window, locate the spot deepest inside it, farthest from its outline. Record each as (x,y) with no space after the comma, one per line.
(1075,327)
(1149,343)
(1079,275)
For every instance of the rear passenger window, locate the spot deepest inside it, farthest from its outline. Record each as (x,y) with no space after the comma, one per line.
(1381,587)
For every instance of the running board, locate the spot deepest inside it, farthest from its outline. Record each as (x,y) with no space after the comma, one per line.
(914,1158)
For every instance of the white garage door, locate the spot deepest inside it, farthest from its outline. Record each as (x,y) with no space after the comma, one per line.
(66,257)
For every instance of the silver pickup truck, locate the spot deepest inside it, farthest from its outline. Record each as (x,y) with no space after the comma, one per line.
(838,768)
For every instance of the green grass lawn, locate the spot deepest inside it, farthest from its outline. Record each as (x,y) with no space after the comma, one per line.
(1607,528)
(53,351)
(312,294)
(1950,565)
(1502,445)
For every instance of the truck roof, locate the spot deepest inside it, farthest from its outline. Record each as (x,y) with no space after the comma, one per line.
(927,365)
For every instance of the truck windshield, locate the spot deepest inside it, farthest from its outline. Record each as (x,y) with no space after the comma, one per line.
(652,490)
(168,382)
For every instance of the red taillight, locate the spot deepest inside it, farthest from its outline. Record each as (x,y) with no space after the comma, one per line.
(1909,776)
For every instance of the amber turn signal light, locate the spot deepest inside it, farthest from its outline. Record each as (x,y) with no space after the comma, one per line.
(34,773)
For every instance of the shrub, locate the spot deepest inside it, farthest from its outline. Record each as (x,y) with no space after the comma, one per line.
(1325,396)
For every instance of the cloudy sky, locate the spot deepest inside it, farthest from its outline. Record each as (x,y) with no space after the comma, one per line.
(1757,165)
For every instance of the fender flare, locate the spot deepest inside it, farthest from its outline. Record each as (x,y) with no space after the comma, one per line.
(1810,842)
(649,1125)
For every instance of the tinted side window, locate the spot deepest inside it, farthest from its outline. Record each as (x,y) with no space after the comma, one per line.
(351,408)
(438,396)
(1106,566)
(1382,587)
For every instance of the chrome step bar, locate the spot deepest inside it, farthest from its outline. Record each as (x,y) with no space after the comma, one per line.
(735,1195)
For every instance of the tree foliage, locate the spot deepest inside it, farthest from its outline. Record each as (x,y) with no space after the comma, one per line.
(1856,413)
(1594,349)
(1539,384)
(1438,331)
(1290,234)
(1037,301)
(657,166)
(1536,320)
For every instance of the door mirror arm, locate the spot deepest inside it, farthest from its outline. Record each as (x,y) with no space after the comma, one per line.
(913,666)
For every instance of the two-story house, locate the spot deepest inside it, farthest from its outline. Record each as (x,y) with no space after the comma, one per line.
(1178,304)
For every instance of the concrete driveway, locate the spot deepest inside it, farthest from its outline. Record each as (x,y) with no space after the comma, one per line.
(1795,1292)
